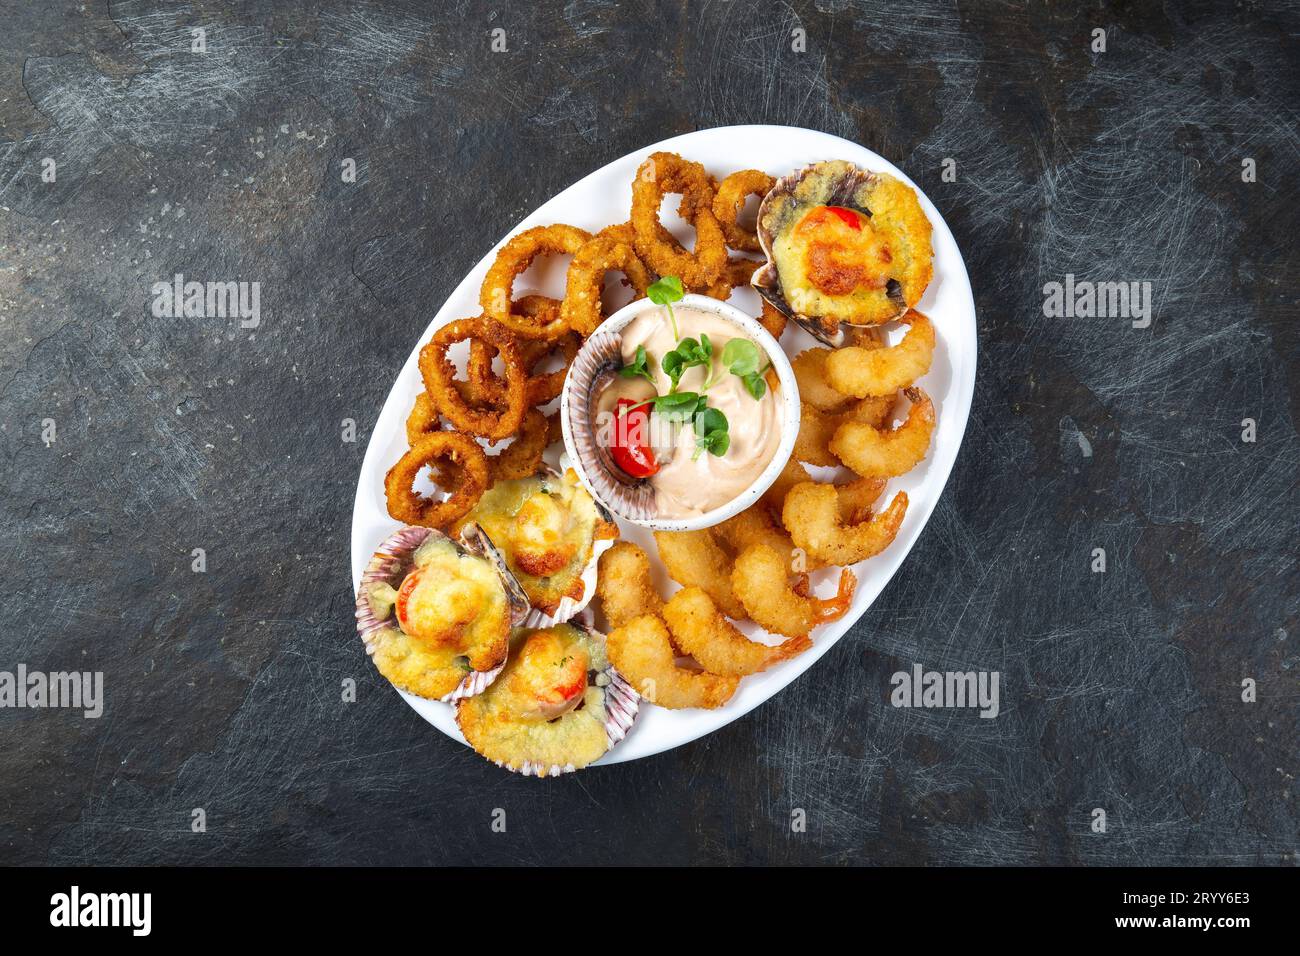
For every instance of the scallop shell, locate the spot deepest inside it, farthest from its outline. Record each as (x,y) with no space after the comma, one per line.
(622,705)
(846,180)
(479,541)
(592,370)
(389,563)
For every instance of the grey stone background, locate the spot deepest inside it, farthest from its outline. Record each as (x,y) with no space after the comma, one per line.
(1119,690)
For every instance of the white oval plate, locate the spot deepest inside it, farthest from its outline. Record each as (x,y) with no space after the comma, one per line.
(604,197)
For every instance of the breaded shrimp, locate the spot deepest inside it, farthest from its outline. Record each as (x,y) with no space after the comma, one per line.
(878,453)
(701,631)
(641,651)
(762,583)
(812,514)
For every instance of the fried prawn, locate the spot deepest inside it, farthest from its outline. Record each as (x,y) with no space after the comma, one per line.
(700,630)
(694,558)
(624,585)
(861,372)
(761,579)
(875,452)
(642,652)
(813,515)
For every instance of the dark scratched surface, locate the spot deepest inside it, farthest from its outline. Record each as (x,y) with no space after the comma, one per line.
(1119,690)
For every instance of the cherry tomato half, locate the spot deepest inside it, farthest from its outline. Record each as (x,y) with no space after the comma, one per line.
(630,441)
(849,217)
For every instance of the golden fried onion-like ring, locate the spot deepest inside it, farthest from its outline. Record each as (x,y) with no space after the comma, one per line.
(642,652)
(701,631)
(585,281)
(405,505)
(423,419)
(694,558)
(883,371)
(762,581)
(484,387)
(729,199)
(813,515)
(522,457)
(874,452)
(439,374)
(664,173)
(624,585)
(737,273)
(512,261)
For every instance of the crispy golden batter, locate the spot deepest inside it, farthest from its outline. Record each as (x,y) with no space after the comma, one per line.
(874,452)
(642,652)
(813,516)
(659,175)
(624,585)
(883,371)
(729,200)
(694,558)
(514,258)
(755,525)
(700,630)
(762,582)
(527,716)
(581,310)
(467,463)
(817,428)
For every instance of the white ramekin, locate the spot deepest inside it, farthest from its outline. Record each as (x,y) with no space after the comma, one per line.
(789,393)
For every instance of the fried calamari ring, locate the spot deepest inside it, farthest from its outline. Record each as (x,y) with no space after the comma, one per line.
(439,374)
(818,428)
(728,201)
(642,652)
(624,585)
(694,558)
(762,582)
(423,419)
(772,319)
(522,457)
(813,515)
(875,452)
(659,175)
(585,281)
(700,630)
(737,273)
(409,507)
(861,372)
(512,261)
(485,387)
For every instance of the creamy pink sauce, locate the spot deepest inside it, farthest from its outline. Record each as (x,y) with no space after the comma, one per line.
(687,486)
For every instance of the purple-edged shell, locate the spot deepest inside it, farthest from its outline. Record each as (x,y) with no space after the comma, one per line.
(840,183)
(619,705)
(405,661)
(594,369)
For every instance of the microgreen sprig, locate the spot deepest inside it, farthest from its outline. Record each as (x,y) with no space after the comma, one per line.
(665,292)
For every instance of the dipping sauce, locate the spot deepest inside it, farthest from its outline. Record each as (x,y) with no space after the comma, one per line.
(690,482)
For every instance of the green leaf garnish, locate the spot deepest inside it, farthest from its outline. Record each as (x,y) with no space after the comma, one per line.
(741,357)
(711,433)
(639,366)
(755,384)
(665,292)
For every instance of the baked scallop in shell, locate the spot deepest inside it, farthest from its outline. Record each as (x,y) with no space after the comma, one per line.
(845,248)
(435,617)
(557,706)
(548,532)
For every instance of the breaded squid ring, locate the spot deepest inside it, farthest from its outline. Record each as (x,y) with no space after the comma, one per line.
(694,557)
(762,581)
(701,631)
(737,273)
(522,457)
(813,515)
(512,261)
(423,419)
(542,387)
(585,281)
(493,423)
(875,452)
(642,652)
(659,175)
(624,585)
(409,507)
(728,201)
(861,372)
